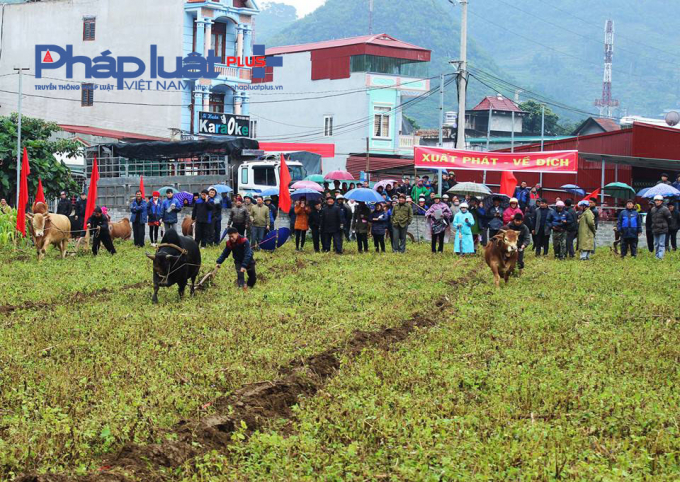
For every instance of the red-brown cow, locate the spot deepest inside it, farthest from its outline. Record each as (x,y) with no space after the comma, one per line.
(501,254)
(50,229)
(188,226)
(121,229)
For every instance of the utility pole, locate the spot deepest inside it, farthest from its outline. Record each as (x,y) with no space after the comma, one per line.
(488,128)
(368,162)
(370,17)
(20,71)
(441,128)
(462,76)
(542,138)
(512,133)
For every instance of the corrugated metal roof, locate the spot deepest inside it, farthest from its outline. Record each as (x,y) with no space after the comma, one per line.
(382,39)
(111,134)
(497,103)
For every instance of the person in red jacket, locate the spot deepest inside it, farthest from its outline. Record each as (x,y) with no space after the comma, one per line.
(510,211)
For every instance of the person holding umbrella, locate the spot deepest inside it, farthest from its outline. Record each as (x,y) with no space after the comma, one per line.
(302,212)
(661,219)
(360,224)
(494,215)
(379,222)
(439,216)
(462,229)
(314,221)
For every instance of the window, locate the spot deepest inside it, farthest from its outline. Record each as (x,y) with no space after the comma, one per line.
(297,173)
(388,65)
(88,28)
(217,103)
(218,40)
(328,126)
(264,176)
(381,122)
(253,129)
(244,175)
(87,95)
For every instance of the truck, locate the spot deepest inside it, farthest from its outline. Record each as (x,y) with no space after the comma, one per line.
(263,173)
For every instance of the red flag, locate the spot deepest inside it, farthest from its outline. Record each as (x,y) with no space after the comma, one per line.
(284,193)
(40,196)
(91,192)
(508,183)
(141,185)
(593,195)
(23,194)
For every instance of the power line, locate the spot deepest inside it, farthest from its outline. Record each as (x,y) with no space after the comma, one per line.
(600,26)
(577,33)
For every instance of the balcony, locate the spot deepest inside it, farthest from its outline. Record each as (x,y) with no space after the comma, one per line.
(408,142)
(240,73)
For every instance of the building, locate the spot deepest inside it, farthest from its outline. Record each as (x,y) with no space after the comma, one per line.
(161,108)
(500,110)
(596,125)
(348,92)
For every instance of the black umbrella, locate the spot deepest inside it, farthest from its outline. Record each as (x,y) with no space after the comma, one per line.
(505,201)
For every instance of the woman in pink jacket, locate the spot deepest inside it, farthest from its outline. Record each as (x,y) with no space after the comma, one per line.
(509,213)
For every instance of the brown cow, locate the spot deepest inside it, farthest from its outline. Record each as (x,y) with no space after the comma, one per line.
(39,208)
(188,226)
(50,229)
(121,229)
(501,254)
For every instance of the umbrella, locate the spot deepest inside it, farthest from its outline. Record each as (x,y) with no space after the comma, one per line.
(619,190)
(164,190)
(275,239)
(271,191)
(222,188)
(661,189)
(488,201)
(338,176)
(470,189)
(363,194)
(308,185)
(181,196)
(251,193)
(642,192)
(384,183)
(574,189)
(307,194)
(315,178)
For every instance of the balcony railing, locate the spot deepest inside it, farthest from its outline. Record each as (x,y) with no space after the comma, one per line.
(408,142)
(233,72)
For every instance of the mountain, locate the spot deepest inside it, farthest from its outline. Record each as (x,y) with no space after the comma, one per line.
(432,26)
(553,48)
(274,17)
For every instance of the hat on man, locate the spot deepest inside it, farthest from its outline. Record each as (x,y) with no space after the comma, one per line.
(464,205)
(446,196)
(339,196)
(559,204)
(658,197)
(156,193)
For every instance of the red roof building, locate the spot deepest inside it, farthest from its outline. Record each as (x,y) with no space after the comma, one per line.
(499,111)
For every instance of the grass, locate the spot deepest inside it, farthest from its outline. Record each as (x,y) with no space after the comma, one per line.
(569,372)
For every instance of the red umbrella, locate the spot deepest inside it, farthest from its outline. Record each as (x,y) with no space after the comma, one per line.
(338,176)
(307,185)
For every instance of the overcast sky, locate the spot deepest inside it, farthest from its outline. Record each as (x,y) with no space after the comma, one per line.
(304,6)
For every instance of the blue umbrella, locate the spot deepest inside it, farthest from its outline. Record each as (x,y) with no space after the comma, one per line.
(364,195)
(574,189)
(275,239)
(642,192)
(271,191)
(661,189)
(306,193)
(222,188)
(251,193)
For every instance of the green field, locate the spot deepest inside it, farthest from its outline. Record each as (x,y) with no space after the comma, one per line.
(387,367)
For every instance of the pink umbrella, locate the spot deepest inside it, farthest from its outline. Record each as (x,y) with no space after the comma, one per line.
(338,176)
(307,185)
(384,184)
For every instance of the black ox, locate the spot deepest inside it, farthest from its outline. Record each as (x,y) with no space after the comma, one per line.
(177,260)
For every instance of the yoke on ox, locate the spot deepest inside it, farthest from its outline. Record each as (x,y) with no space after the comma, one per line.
(177,260)
(501,254)
(50,229)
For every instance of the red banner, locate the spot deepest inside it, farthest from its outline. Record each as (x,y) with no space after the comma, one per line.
(562,162)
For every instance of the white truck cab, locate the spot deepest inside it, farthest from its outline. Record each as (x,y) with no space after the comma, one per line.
(264,173)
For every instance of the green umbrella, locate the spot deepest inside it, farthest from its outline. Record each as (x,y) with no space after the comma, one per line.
(315,178)
(619,190)
(164,190)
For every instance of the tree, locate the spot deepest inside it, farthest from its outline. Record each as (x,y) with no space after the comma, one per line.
(414,123)
(36,138)
(532,122)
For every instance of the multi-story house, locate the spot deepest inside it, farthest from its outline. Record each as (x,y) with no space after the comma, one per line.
(348,92)
(153,107)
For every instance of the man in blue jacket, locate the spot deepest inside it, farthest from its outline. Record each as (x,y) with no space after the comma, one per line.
(629,226)
(559,220)
(244,262)
(170,208)
(216,222)
(522,195)
(138,218)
